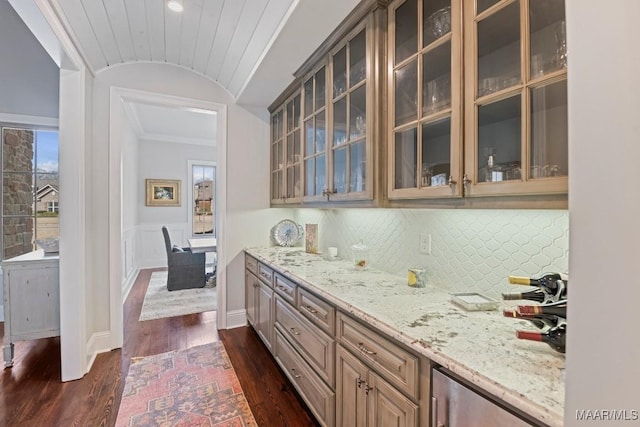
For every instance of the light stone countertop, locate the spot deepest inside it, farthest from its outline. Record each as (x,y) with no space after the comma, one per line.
(480,347)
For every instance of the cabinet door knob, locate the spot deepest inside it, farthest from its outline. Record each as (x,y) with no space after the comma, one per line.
(295,331)
(359,381)
(296,376)
(452,184)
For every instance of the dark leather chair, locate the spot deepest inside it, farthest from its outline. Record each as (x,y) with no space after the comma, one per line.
(186,269)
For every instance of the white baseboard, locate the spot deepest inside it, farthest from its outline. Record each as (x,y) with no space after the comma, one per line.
(236,318)
(99,342)
(128,284)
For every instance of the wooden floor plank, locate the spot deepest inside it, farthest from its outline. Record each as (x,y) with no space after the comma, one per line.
(33,395)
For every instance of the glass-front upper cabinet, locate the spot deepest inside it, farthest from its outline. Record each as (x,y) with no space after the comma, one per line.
(425,98)
(286,152)
(351,118)
(515,97)
(315,134)
(277,156)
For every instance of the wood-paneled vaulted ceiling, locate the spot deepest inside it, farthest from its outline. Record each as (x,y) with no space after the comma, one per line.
(221,39)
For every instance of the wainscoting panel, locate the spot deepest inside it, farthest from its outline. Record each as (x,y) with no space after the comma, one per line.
(150,243)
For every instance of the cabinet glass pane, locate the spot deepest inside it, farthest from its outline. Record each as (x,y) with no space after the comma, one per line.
(406,87)
(436,17)
(548,37)
(358,59)
(358,113)
(320,174)
(321,132)
(308,97)
(549,148)
(406,154)
(309,132)
(406,30)
(290,182)
(358,167)
(436,77)
(483,5)
(290,117)
(499,136)
(340,170)
(290,149)
(436,153)
(296,111)
(277,156)
(276,185)
(499,50)
(297,180)
(340,122)
(320,88)
(310,179)
(340,72)
(297,146)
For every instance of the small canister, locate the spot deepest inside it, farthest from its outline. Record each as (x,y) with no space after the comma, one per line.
(417,277)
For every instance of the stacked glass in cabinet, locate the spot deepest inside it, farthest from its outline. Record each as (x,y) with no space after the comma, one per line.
(425,95)
(515,97)
(286,153)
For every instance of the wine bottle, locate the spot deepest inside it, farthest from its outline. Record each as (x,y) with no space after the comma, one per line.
(558,309)
(538,295)
(555,337)
(554,284)
(540,321)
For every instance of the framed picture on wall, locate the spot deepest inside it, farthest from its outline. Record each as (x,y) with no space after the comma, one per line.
(163,192)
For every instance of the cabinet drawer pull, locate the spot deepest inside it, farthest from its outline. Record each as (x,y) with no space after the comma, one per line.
(310,309)
(296,376)
(283,288)
(265,275)
(365,350)
(294,331)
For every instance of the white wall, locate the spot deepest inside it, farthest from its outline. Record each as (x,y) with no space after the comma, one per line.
(603,349)
(248,220)
(164,160)
(30,78)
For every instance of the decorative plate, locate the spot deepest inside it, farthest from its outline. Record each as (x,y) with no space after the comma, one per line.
(286,233)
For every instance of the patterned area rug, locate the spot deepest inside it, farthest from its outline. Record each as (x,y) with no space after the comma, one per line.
(192,387)
(159,302)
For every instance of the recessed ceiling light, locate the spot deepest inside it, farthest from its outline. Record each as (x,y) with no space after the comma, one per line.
(175,5)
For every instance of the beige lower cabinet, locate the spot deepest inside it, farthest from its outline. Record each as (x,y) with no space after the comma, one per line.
(259,299)
(320,398)
(366,399)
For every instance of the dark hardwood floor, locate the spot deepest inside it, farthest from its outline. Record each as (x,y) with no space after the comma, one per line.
(31,393)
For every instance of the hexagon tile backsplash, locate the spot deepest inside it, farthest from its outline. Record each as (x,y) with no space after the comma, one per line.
(471,250)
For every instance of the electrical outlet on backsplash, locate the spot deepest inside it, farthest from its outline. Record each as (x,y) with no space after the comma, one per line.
(471,250)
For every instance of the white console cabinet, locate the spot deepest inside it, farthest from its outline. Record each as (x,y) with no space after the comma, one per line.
(31,299)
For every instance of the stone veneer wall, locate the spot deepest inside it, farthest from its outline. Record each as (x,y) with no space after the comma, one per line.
(472,250)
(17,191)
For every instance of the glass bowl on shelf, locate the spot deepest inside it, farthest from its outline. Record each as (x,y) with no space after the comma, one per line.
(439,23)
